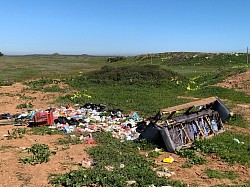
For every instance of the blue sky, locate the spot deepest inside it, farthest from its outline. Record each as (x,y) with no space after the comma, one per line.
(123,27)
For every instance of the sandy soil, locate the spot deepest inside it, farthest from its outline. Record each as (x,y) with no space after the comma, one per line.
(13,173)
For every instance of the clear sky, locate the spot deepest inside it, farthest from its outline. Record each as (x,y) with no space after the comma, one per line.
(123,27)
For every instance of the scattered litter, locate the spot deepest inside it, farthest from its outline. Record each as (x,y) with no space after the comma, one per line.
(109,168)
(86,163)
(238,141)
(130,183)
(168,160)
(165,173)
(122,165)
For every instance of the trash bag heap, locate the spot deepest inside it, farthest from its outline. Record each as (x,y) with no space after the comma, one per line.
(172,128)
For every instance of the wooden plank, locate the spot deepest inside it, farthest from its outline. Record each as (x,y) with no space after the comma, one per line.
(201,102)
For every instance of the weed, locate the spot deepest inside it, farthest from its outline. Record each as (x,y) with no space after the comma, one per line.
(38,84)
(5,83)
(40,154)
(154,154)
(43,130)
(3,147)
(68,140)
(193,158)
(65,147)
(211,173)
(237,120)
(16,133)
(53,88)
(21,177)
(24,105)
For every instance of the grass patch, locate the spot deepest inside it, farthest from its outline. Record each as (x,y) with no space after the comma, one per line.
(40,154)
(4,147)
(16,133)
(211,173)
(111,153)
(38,84)
(24,105)
(5,83)
(223,93)
(224,146)
(237,120)
(43,130)
(193,158)
(69,140)
(53,88)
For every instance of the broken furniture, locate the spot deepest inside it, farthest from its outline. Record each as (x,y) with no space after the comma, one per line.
(177,127)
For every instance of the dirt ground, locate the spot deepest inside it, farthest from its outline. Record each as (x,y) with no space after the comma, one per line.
(16,174)
(240,82)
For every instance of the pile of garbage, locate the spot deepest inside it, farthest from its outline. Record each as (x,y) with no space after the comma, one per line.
(87,119)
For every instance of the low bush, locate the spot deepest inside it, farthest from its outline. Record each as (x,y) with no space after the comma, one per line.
(24,105)
(16,133)
(40,154)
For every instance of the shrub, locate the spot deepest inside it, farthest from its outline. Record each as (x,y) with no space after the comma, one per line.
(40,154)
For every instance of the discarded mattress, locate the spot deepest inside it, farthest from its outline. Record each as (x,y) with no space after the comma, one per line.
(177,127)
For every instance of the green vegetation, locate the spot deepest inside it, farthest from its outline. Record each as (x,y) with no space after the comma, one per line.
(226,146)
(69,140)
(53,88)
(17,68)
(5,83)
(193,158)
(223,93)
(151,75)
(16,133)
(3,147)
(24,105)
(211,173)
(109,155)
(40,154)
(237,120)
(43,130)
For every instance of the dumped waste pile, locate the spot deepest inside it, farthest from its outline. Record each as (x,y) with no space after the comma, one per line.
(87,119)
(172,128)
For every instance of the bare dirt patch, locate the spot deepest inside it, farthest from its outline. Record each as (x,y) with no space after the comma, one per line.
(18,93)
(240,82)
(14,173)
